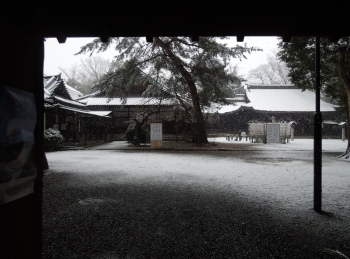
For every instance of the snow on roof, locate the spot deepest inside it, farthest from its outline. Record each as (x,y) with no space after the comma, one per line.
(238,98)
(49,82)
(47,94)
(129,101)
(89,95)
(270,86)
(330,122)
(285,100)
(101,113)
(238,101)
(223,108)
(277,98)
(52,82)
(229,108)
(94,113)
(74,93)
(69,101)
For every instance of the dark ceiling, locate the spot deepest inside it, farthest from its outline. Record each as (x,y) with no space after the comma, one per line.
(62,19)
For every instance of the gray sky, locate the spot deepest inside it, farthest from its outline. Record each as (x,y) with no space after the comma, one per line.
(62,55)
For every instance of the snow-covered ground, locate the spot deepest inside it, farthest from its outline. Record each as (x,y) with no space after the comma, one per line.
(276,176)
(328,145)
(281,174)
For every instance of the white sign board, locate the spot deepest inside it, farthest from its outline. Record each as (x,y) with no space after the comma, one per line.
(156,131)
(272,133)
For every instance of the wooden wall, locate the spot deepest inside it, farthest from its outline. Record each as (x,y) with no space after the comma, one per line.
(21,66)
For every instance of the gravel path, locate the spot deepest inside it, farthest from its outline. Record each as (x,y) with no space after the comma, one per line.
(115,214)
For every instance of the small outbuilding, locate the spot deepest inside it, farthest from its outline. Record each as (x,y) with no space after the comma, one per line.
(72,118)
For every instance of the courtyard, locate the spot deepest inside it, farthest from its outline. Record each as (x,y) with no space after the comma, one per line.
(234,199)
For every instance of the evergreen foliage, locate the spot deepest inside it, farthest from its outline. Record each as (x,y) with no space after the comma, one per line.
(196,73)
(299,55)
(52,139)
(144,136)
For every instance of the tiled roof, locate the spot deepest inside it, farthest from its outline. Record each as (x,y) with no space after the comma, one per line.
(74,94)
(284,99)
(52,82)
(91,101)
(69,102)
(272,86)
(94,94)
(86,112)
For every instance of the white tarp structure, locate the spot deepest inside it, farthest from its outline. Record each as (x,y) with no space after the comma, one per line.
(256,129)
(285,130)
(260,130)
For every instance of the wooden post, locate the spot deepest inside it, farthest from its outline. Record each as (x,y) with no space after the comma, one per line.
(84,130)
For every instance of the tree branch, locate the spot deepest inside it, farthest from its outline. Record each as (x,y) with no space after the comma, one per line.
(175,39)
(147,60)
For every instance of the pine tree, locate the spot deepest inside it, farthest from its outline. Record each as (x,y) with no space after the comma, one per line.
(196,73)
(299,55)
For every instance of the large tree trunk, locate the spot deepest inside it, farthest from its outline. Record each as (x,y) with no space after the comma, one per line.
(343,66)
(200,130)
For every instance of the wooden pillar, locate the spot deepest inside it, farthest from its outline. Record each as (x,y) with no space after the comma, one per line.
(84,129)
(21,67)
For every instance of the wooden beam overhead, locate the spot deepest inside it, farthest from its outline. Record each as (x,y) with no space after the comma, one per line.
(104,38)
(194,38)
(286,38)
(103,32)
(61,39)
(240,38)
(149,38)
(334,38)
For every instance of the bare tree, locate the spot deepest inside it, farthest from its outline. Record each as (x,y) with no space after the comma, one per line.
(279,67)
(84,75)
(72,76)
(94,67)
(274,72)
